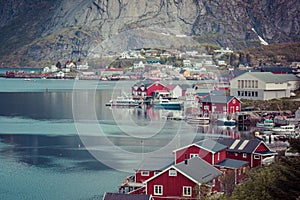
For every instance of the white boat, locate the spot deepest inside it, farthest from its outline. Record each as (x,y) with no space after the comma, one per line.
(267,123)
(285,129)
(201,120)
(123,101)
(168,104)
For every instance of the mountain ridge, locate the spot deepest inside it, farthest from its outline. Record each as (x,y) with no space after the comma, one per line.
(43,32)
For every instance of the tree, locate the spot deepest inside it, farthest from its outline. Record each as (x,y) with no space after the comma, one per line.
(228,182)
(201,191)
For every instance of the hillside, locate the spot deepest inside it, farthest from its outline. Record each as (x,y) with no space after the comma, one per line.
(38,32)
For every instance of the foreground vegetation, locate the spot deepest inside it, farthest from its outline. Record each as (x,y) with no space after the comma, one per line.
(280,180)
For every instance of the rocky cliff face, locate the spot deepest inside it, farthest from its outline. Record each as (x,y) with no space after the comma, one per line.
(35,31)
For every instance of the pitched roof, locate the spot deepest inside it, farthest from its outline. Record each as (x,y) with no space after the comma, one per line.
(217,99)
(231,163)
(198,169)
(121,196)
(267,77)
(274,69)
(171,86)
(240,146)
(211,145)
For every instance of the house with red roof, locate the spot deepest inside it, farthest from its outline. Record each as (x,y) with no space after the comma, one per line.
(252,151)
(221,104)
(181,180)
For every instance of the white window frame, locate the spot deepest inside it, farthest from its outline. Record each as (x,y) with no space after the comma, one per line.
(192,155)
(155,173)
(187,191)
(172,172)
(218,156)
(256,157)
(235,154)
(244,155)
(158,190)
(144,173)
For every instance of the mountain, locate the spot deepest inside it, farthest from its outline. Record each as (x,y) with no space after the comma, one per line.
(37,32)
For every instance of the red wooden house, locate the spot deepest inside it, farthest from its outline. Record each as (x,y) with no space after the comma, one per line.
(215,154)
(180,181)
(252,151)
(209,150)
(221,104)
(146,90)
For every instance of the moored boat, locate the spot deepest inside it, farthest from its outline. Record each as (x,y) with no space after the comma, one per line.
(201,120)
(285,129)
(168,104)
(123,101)
(267,123)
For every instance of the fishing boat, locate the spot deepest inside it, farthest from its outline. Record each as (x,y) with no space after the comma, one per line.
(267,123)
(285,129)
(123,101)
(167,104)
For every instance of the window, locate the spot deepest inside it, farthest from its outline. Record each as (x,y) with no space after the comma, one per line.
(172,172)
(244,155)
(246,84)
(256,84)
(252,83)
(236,154)
(158,190)
(155,173)
(187,191)
(256,94)
(192,155)
(242,83)
(237,108)
(249,83)
(239,93)
(218,156)
(256,157)
(145,173)
(239,84)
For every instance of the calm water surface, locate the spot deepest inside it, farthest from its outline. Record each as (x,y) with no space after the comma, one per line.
(59,141)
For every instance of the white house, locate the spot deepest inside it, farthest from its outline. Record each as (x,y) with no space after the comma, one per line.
(175,90)
(82,66)
(187,63)
(262,86)
(138,65)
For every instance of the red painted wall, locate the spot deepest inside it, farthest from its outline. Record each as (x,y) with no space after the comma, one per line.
(233,106)
(205,155)
(240,157)
(139,178)
(152,88)
(261,148)
(172,185)
(221,157)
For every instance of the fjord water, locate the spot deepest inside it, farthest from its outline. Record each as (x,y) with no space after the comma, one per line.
(58,140)
(50,148)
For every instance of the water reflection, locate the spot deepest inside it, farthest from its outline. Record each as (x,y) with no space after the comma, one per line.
(60,152)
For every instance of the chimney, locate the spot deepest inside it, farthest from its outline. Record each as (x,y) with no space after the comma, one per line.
(186,161)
